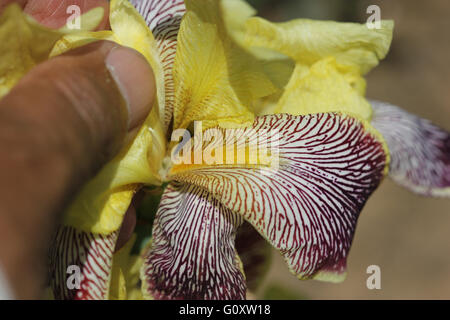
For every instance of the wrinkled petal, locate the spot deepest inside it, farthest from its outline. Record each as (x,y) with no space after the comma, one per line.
(216,81)
(54,13)
(192,255)
(76,40)
(308,41)
(25,43)
(278,67)
(325,87)
(235,15)
(420,151)
(101,204)
(330,59)
(308,205)
(131,30)
(91,253)
(164,19)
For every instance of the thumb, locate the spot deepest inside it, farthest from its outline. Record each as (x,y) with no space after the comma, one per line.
(85,102)
(58,126)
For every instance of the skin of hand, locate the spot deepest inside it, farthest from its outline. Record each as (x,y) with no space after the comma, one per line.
(58,126)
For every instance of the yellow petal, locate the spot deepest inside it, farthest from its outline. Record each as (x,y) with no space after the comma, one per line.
(235,15)
(118,286)
(101,204)
(130,28)
(325,87)
(97,208)
(308,41)
(330,59)
(88,21)
(276,66)
(25,43)
(72,41)
(125,275)
(216,81)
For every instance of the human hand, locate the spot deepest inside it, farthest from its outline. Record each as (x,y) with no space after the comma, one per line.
(58,126)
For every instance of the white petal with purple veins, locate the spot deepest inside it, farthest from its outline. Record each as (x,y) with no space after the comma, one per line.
(308,207)
(192,255)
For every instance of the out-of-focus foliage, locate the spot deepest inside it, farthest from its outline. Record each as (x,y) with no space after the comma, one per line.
(282,10)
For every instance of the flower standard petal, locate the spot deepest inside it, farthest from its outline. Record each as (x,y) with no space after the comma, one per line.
(309,41)
(192,255)
(330,58)
(420,151)
(216,81)
(326,86)
(307,207)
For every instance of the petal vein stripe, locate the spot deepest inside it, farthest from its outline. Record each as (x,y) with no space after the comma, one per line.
(192,254)
(308,207)
(420,151)
(91,253)
(164,19)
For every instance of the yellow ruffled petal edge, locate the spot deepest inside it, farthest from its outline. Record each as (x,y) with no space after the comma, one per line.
(100,206)
(25,43)
(330,59)
(277,66)
(308,41)
(324,87)
(235,15)
(319,64)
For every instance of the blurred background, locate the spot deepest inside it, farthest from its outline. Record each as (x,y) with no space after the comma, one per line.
(406,235)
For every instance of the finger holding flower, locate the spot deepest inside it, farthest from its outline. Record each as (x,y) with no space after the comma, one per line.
(216,63)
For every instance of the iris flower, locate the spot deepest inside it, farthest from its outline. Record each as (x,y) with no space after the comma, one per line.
(216,62)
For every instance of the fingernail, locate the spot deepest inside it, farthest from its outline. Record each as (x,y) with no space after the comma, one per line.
(135,80)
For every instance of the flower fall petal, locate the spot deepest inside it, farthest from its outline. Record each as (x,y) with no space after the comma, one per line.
(420,151)
(192,255)
(307,206)
(80,264)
